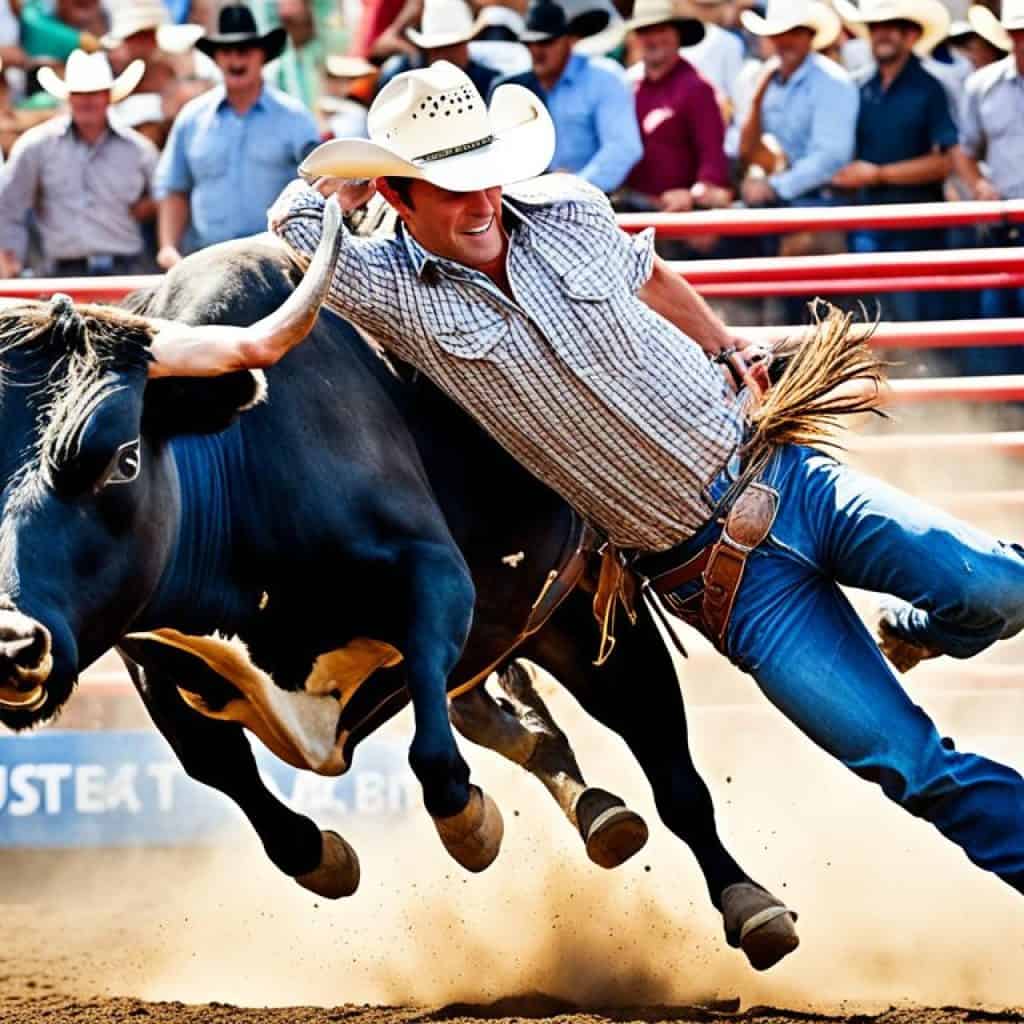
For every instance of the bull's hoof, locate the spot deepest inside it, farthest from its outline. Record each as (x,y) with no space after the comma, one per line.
(338,873)
(473,836)
(759,924)
(611,831)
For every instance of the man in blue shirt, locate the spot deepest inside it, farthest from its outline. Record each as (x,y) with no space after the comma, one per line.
(232,149)
(597,134)
(905,137)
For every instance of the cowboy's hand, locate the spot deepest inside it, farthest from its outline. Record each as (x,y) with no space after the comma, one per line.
(675,200)
(10,265)
(986,191)
(757,192)
(710,196)
(859,174)
(168,257)
(351,194)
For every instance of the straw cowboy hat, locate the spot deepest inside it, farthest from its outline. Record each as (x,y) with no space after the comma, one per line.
(784,15)
(236,26)
(445,23)
(997,30)
(546,20)
(647,13)
(930,15)
(131,16)
(432,124)
(90,72)
(341,66)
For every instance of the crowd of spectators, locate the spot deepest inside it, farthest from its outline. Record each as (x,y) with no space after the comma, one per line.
(134,131)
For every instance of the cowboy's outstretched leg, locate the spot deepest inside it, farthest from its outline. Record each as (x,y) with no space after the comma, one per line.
(795,632)
(959,589)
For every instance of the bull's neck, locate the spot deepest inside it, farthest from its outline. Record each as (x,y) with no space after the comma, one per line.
(199,592)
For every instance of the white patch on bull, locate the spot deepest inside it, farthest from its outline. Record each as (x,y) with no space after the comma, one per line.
(299,727)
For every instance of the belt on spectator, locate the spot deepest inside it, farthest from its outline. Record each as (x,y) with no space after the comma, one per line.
(97,263)
(719,565)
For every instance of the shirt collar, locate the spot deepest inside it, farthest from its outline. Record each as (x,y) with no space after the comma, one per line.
(1010,71)
(806,66)
(68,128)
(260,104)
(908,72)
(575,67)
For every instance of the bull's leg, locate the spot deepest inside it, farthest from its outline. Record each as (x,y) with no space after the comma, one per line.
(636,693)
(522,729)
(440,599)
(218,755)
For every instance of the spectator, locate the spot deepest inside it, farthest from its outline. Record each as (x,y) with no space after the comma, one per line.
(233,149)
(87,180)
(344,102)
(444,34)
(992,129)
(719,55)
(683,163)
(597,136)
(73,24)
(904,136)
(987,41)
(297,72)
(804,101)
(498,44)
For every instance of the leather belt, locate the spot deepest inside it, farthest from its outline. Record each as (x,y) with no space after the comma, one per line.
(720,565)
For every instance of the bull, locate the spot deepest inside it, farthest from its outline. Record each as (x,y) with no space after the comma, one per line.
(152,515)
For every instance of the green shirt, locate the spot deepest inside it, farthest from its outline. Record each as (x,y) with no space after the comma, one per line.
(43,35)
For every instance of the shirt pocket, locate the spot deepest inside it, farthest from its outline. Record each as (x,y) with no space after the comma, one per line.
(477,337)
(999,119)
(209,156)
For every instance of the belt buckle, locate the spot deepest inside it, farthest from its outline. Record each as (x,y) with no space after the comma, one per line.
(101,264)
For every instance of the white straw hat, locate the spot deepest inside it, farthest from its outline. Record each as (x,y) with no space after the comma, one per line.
(431,124)
(995,30)
(446,23)
(784,15)
(931,15)
(90,72)
(131,16)
(668,12)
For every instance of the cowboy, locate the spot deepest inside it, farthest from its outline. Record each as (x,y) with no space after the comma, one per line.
(232,149)
(595,120)
(86,179)
(298,70)
(905,135)
(683,163)
(587,357)
(446,30)
(804,101)
(348,85)
(992,129)
(719,55)
(980,39)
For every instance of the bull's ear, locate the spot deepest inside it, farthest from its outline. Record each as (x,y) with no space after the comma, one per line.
(200,405)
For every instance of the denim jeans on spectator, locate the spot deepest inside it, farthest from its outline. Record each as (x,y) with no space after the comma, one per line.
(795,632)
(903,306)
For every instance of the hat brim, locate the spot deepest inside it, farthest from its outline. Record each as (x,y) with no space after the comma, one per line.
(271,43)
(341,66)
(691,30)
(934,27)
(426,41)
(524,143)
(119,88)
(821,20)
(987,25)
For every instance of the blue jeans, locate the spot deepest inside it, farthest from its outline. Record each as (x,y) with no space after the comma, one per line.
(795,632)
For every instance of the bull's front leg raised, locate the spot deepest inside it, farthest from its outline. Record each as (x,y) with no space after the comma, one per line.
(439,610)
(218,755)
(522,729)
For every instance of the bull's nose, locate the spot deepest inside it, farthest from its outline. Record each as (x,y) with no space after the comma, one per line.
(25,651)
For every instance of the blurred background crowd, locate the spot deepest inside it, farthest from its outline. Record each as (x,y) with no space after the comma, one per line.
(135,131)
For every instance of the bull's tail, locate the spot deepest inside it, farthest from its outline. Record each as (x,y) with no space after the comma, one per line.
(829,374)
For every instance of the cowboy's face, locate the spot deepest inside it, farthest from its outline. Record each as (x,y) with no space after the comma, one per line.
(550,56)
(80,14)
(139,45)
(241,66)
(460,226)
(980,52)
(792,48)
(891,41)
(659,45)
(89,111)
(458,54)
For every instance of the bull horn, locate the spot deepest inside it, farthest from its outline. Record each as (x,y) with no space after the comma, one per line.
(199,350)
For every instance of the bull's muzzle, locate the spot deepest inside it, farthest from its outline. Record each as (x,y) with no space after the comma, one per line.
(26,660)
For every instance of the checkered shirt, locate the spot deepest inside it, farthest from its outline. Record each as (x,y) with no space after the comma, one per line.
(597,395)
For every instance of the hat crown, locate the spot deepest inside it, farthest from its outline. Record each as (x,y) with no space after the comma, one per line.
(544,16)
(430,113)
(446,17)
(788,11)
(88,72)
(236,20)
(131,16)
(644,10)
(1012,13)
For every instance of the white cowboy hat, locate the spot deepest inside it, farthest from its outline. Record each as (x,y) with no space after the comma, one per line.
(784,15)
(994,30)
(445,23)
(340,66)
(90,72)
(930,15)
(432,124)
(668,12)
(131,16)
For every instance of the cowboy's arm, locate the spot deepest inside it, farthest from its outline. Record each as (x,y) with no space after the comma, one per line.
(618,134)
(173,182)
(972,144)
(19,184)
(672,297)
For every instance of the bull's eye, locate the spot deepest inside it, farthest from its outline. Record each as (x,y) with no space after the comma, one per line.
(124,467)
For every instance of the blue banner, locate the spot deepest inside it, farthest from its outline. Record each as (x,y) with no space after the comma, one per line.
(68,789)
